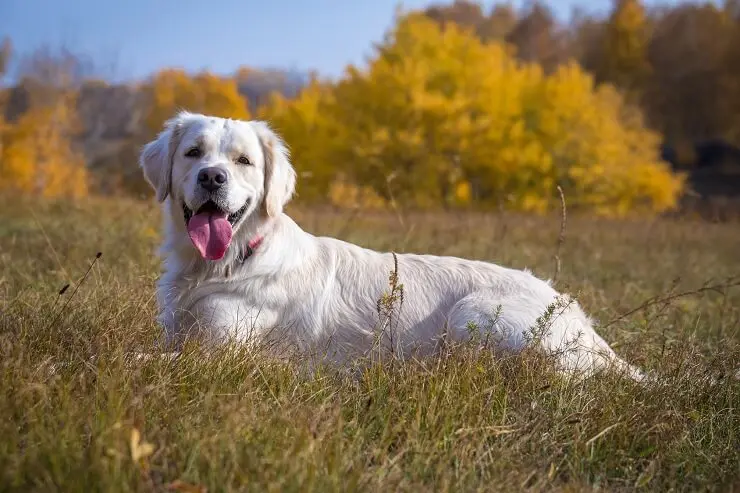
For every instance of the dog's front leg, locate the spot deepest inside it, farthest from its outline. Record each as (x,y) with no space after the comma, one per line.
(220,319)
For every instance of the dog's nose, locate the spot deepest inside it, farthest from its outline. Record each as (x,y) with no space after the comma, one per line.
(212,178)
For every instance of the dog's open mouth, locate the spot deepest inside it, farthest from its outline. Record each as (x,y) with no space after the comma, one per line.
(212,207)
(210,228)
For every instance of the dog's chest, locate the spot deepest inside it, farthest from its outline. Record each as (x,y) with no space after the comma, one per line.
(256,302)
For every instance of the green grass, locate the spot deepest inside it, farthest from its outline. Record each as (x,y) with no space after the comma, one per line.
(465,422)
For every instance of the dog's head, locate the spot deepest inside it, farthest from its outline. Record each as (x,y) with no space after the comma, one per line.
(219,172)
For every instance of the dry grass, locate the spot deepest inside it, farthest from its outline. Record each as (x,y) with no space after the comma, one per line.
(244,422)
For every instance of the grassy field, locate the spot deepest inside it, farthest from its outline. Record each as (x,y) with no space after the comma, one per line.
(460,423)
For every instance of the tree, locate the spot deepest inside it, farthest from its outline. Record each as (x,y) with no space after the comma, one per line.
(257,85)
(112,116)
(40,153)
(624,61)
(534,32)
(537,38)
(464,13)
(731,77)
(500,23)
(604,154)
(40,157)
(586,43)
(304,125)
(686,98)
(405,123)
(171,90)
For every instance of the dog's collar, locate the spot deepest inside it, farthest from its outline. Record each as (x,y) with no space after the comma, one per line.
(249,250)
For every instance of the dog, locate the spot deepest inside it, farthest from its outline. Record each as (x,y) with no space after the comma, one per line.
(236,267)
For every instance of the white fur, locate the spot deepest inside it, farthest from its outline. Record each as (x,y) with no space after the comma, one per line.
(319,291)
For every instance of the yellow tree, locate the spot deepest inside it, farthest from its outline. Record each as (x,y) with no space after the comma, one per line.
(446,117)
(40,157)
(304,125)
(601,150)
(40,152)
(407,121)
(172,90)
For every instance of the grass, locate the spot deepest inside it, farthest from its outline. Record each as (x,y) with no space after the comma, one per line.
(465,422)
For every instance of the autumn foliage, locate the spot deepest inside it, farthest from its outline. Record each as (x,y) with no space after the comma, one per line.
(440,118)
(172,90)
(39,156)
(38,153)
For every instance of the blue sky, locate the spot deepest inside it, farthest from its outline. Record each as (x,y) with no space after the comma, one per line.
(132,38)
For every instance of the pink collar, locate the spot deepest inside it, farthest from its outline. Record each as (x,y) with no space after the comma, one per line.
(251,247)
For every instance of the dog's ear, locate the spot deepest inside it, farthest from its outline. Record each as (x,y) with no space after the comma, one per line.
(280,177)
(157,156)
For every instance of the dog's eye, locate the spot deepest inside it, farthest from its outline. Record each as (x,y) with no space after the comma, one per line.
(193,152)
(243,160)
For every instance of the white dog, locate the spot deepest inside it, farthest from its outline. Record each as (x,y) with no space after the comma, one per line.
(236,265)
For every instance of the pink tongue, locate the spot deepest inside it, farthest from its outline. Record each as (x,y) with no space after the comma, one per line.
(210,233)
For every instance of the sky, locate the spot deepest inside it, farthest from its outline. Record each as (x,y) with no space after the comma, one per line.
(130,39)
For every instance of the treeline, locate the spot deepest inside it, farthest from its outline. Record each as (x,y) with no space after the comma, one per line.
(61,117)
(457,108)
(680,64)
